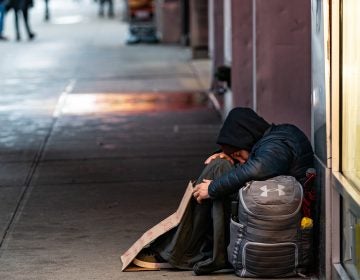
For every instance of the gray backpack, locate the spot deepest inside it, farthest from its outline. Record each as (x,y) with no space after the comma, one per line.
(267,240)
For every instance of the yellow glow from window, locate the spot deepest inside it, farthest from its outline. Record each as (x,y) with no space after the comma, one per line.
(127,103)
(351,91)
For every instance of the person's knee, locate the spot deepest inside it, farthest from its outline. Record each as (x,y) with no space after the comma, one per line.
(221,163)
(216,168)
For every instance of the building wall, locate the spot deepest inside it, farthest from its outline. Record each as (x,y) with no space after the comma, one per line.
(218,15)
(199,28)
(271,62)
(168,21)
(242,53)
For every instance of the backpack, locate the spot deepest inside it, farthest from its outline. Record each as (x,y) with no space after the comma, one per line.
(267,240)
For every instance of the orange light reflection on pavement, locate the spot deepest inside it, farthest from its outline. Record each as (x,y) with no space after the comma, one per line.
(131,103)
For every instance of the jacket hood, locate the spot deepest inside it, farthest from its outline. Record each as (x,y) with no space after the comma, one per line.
(242,128)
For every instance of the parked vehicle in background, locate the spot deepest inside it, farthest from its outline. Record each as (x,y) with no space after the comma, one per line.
(141,9)
(141,22)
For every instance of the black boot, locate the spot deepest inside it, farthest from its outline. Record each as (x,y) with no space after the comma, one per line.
(32,36)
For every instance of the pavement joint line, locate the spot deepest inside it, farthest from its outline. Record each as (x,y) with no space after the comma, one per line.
(208,91)
(27,187)
(116,182)
(197,77)
(16,161)
(171,156)
(139,77)
(214,101)
(69,88)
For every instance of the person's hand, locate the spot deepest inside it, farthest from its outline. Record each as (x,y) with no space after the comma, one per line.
(219,155)
(201,192)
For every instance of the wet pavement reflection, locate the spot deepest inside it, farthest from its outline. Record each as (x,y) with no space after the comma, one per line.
(132,103)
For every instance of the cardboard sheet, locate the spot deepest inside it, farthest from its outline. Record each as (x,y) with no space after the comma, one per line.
(156,231)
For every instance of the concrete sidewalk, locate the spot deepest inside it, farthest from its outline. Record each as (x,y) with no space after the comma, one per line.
(98,141)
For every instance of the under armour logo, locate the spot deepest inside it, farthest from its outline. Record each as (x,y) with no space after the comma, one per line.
(265,190)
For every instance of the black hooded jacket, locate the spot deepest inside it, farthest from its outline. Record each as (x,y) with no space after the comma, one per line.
(200,241)
(275,150)
(242,128)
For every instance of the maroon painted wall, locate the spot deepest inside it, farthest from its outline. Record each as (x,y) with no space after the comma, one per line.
(283,59)
(168,20)
(242,67)
(199,28)
(218,15)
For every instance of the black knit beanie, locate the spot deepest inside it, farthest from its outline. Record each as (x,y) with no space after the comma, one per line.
(242,128)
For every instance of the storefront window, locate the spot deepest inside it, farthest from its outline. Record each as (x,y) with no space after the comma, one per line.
(350,156)
(351,91)
(351,240)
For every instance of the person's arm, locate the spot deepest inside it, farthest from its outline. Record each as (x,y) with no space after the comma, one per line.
(267,161)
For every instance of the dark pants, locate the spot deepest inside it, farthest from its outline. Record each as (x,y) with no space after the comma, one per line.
(25,13)
(199,242)
(2,17)
(47,10)
(111,7)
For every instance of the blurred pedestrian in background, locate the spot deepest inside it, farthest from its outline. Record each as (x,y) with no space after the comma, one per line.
(22,7)
(110,4)
(47,11)
(2,17)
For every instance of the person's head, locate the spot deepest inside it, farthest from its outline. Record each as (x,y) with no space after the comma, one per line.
(239,155)
(242,128)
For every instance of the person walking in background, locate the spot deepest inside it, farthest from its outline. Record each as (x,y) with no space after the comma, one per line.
(22,6)
(47,10)
(2,17)
(111,8)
